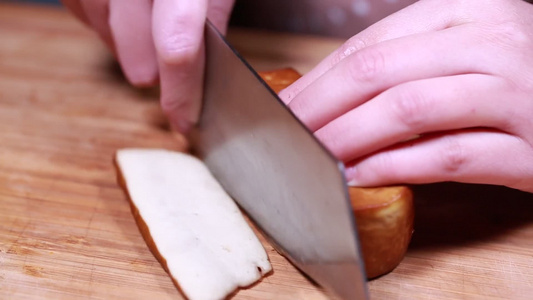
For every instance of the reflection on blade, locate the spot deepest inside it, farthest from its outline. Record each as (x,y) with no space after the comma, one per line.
(275,169)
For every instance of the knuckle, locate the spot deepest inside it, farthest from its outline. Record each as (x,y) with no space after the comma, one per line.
(366,65)
(177,49)
(411,108)
(509,34)
(179,44)
(453,155)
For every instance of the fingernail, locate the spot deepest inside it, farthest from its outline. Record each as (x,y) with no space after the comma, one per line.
(353,183)
(351,174)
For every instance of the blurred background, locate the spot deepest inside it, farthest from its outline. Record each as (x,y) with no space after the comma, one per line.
(341,18)
(41,1)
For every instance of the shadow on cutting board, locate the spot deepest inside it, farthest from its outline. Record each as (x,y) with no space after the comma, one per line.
(454,214)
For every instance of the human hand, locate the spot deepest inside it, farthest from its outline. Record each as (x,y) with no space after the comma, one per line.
(440,91)
(158,40)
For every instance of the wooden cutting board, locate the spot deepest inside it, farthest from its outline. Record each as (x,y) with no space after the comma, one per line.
(66,230)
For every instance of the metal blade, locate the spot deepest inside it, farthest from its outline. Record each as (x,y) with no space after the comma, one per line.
(276,170)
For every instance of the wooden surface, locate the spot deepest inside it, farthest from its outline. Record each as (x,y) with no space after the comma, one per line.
(66,230)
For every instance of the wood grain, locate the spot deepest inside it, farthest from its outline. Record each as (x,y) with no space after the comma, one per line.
(66,230)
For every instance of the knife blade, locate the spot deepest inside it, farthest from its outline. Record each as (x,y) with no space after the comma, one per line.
(287,182)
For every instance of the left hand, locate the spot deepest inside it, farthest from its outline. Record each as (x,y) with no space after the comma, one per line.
(158,41)
(440,91)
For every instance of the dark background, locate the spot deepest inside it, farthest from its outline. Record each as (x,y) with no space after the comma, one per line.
(333,17)
(41,1)
(341,18)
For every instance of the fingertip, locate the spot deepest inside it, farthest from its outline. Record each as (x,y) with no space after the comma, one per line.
(181,92)
(180,112)
(350,172)
(177,29)
(289,93)
(355,179)
(374,170)
(141,73)
(143,79)
(130,24)
(178,118)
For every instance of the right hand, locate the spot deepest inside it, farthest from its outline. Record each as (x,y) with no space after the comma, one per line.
(158,40)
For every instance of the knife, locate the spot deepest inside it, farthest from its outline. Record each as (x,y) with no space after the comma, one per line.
(287,182)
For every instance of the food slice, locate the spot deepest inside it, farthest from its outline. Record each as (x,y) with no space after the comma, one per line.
(384,217)
(190,223)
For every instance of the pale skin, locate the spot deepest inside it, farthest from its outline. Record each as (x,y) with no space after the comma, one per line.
(440,91)
(158,41)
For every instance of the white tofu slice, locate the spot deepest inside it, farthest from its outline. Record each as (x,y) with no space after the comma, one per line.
(209,248)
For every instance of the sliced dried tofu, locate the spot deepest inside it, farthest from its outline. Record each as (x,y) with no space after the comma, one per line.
(199,232)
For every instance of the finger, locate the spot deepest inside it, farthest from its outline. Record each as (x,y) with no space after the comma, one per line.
(219,12)
(470,156)
(374,69)
(420,17)
(418,107)
(75,7)
(97,12)
(178,28)
(131,26)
